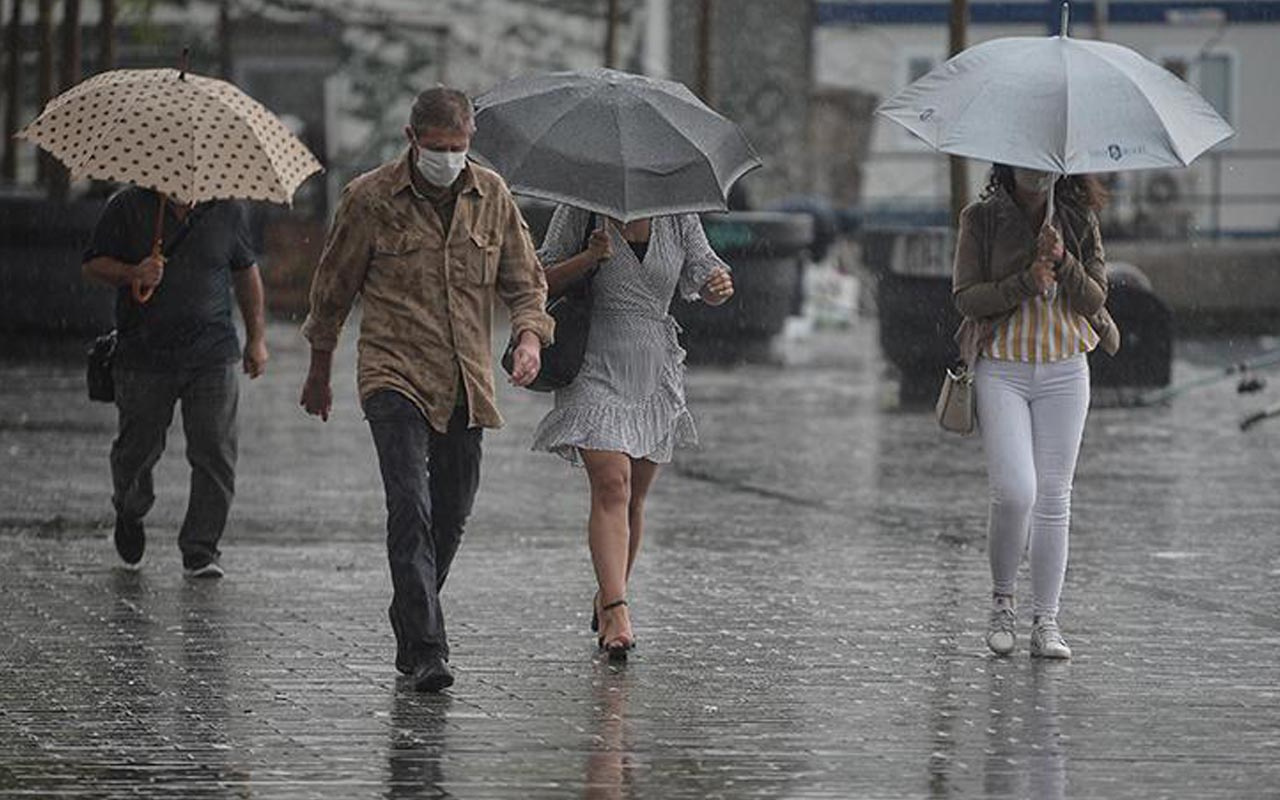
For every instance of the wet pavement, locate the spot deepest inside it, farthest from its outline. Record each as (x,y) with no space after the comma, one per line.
(809,607)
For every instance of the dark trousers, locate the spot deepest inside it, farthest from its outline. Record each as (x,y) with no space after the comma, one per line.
(145,401)
(430,480)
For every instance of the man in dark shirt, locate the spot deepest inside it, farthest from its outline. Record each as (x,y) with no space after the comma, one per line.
(180,346)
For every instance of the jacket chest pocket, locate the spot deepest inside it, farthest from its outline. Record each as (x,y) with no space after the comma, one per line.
(396,245)
(477,257)
(399,256)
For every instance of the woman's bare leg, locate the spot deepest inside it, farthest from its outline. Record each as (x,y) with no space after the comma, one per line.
(608,536)
(643,474)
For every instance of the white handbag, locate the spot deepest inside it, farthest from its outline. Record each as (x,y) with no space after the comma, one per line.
(955,409)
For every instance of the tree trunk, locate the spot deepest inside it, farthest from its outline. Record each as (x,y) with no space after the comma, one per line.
(44,75)
(611,36)
(959,166)
(59,177)
(704,51)
(107,36)
(106,60)
(13,85)
(225,65)
(70,72)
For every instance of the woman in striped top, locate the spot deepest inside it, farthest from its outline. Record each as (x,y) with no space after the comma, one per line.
(1044,328)
(1032,291)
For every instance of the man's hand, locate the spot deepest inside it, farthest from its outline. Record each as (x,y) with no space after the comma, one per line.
(718,288)
(317,395)
(526,360)
(255,358)
(149,272)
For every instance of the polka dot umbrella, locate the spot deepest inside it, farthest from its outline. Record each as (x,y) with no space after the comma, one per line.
(188,137)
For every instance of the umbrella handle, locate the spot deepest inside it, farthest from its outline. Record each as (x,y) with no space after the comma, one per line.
(143,295)
(1049,205)
(1049,211)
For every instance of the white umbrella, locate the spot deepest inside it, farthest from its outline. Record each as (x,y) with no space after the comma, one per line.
(1060,105)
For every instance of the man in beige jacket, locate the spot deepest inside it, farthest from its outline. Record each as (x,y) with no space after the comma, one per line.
(427,240)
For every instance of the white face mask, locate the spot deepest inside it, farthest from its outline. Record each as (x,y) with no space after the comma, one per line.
(1032,180)
(441,167)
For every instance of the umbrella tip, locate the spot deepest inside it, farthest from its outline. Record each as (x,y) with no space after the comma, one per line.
(1066,18)
(186,57)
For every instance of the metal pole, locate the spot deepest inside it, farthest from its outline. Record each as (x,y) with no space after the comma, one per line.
(13,85)
(959,166)
(704,51)
(1101,16)
(1216,208)
(810,161)
(611,36)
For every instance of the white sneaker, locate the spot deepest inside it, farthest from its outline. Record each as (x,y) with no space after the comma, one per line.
(1046,639)
(1000,629)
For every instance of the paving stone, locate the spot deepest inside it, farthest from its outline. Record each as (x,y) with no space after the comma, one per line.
(809,607)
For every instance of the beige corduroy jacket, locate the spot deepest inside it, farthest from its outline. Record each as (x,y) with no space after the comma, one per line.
(428,293)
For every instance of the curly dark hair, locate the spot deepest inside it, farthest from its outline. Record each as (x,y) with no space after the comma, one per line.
(1079,193)
(1078,199)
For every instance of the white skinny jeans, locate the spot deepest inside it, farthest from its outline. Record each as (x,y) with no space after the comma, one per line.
(1031,418)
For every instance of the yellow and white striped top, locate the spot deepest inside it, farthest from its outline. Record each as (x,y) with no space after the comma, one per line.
(1042,330)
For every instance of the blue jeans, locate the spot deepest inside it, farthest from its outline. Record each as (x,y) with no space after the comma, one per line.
(430,480)
(145,401)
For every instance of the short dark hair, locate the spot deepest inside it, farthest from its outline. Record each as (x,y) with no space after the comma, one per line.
(441,107)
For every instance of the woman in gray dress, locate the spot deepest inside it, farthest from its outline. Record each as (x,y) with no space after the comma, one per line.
(625,412)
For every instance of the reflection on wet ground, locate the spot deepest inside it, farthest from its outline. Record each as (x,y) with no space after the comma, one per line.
(809,610)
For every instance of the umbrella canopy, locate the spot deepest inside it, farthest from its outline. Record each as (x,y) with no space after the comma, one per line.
(1059,105)
(189,137)
(622,145)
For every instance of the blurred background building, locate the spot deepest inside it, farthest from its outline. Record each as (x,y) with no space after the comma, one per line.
(1227,49)
(802,77)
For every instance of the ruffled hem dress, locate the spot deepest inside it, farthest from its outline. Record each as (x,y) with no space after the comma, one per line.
(629,395)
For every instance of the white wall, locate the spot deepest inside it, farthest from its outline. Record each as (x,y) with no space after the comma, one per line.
(876,57)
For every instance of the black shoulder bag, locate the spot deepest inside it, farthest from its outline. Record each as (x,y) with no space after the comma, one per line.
(571,309)
(98,372)
(102,387)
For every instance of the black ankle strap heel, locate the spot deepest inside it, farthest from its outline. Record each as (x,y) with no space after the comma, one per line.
(617,650)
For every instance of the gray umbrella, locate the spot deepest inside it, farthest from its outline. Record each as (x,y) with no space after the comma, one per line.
(622,145)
